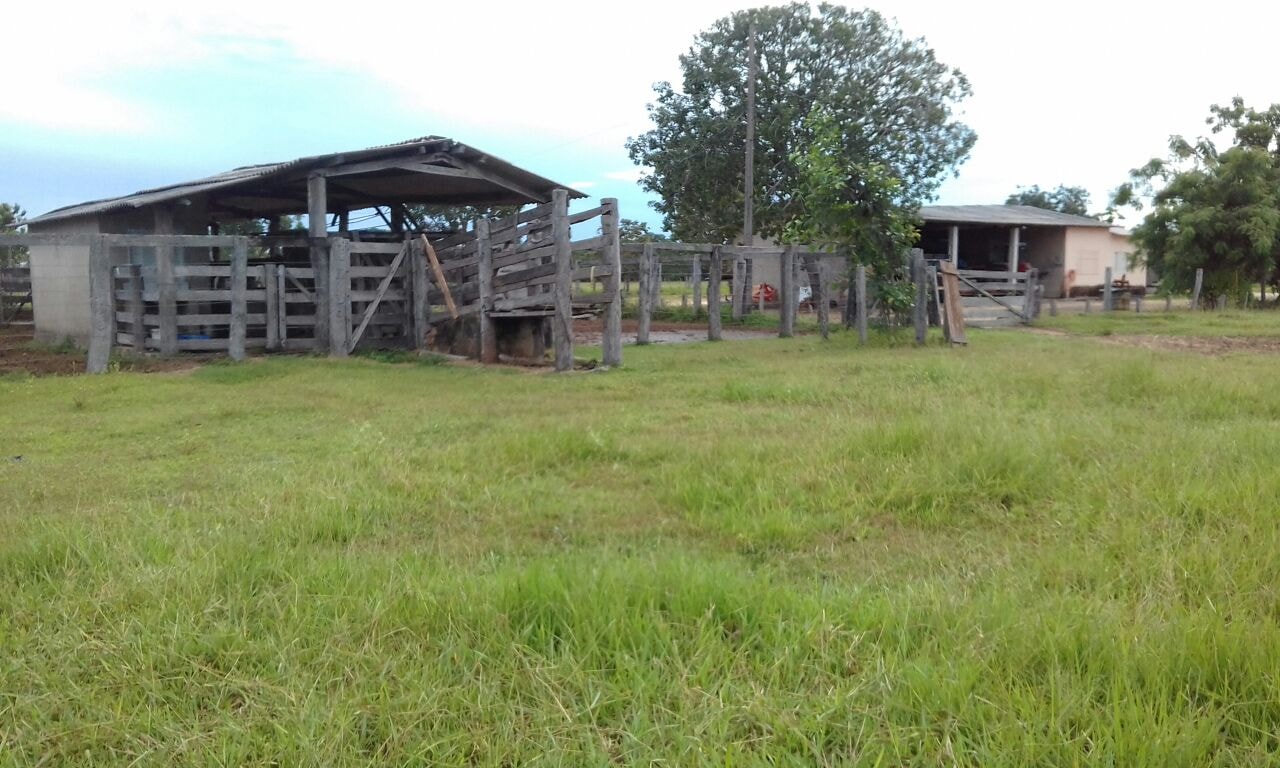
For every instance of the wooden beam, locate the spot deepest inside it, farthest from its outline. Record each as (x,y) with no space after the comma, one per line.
(439,275)
(166,284)
(715,270)
(611,351)
(339,299)
(493,178)
(562,320)
(484,273)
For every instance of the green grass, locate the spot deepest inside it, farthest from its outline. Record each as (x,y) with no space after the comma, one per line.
(1032,551)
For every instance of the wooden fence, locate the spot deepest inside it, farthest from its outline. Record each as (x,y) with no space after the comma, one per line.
(148,294)
(15,292)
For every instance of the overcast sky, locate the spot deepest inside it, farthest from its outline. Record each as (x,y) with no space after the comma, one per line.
(102,100)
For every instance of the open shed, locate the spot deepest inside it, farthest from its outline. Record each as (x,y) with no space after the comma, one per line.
(326,188)
(1071,253)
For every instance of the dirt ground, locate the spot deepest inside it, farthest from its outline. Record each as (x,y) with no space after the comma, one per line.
(18,354)
(1204,345)
(590,332)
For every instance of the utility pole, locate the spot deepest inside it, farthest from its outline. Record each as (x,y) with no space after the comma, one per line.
(749,162)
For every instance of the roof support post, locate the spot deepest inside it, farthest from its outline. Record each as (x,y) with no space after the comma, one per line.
(317,210)
(1015,236)
(953,244)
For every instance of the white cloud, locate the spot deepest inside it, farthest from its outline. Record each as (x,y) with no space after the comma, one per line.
(1079,95)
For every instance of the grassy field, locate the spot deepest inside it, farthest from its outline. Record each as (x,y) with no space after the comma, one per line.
(1038,550)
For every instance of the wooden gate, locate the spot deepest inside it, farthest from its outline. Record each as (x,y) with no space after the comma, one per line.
(992,299)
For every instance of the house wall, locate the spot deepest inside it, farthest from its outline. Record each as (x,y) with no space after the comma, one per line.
(60,283)
(1090,250)
(1045,249)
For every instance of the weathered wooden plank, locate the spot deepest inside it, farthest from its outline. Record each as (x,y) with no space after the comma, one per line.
(562,322)
(955,319)
(202,270)
(1108,291)
(378,296)
(588,215)
(645,319)
(441,283)
(920,310)
(695,277)
(271,298)
(484,249)
(239,302)
(590,244)
(421,287)
(1195,291)
(390,249)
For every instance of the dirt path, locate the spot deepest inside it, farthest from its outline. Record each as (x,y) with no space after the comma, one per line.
(18,354)
(591,332)
(1204,345)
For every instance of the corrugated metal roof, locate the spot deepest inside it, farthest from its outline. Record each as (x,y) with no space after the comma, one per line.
(267,171)
(1006,215)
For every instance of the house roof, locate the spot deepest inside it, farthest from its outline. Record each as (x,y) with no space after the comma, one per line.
(1005,215)
(431,170)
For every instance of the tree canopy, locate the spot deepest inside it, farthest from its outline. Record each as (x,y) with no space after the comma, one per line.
(11,218)
(634,231)
(1210,208)
(895,103)
(1064,199)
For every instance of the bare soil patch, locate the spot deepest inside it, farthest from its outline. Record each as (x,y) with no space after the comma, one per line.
(591,332)
(20,355)
(1204,345)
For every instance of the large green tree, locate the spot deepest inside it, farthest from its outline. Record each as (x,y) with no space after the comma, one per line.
(1212,208)
(1064,199)
(895,101)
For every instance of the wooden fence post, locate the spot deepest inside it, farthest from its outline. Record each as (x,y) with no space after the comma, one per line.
(137,310)
(1108,302)
(1168,303)
(272,308)
(562,320)
(645,310)
(1137,305)
(715,269)
(102,306)
(282,294)
(1029,310)
(787,291)
(421,294)
(484,273)
(1088,303)
(338,302)
(1053,307)
(1195,292)
(167,300)
(656,301)
(695,277)
(239,301)
(860,299)
(611,346)
(739,279)
(920,311)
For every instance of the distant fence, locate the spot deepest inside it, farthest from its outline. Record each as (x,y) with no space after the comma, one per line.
(15,292)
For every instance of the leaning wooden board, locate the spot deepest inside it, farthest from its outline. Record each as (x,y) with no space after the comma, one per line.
(953,306)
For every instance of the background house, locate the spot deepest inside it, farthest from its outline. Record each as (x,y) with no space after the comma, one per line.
(1072,253)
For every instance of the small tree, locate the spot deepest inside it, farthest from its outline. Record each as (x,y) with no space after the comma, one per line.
(1211,209)
(11,218)
(632,231)
(1064,199)
(856,207)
